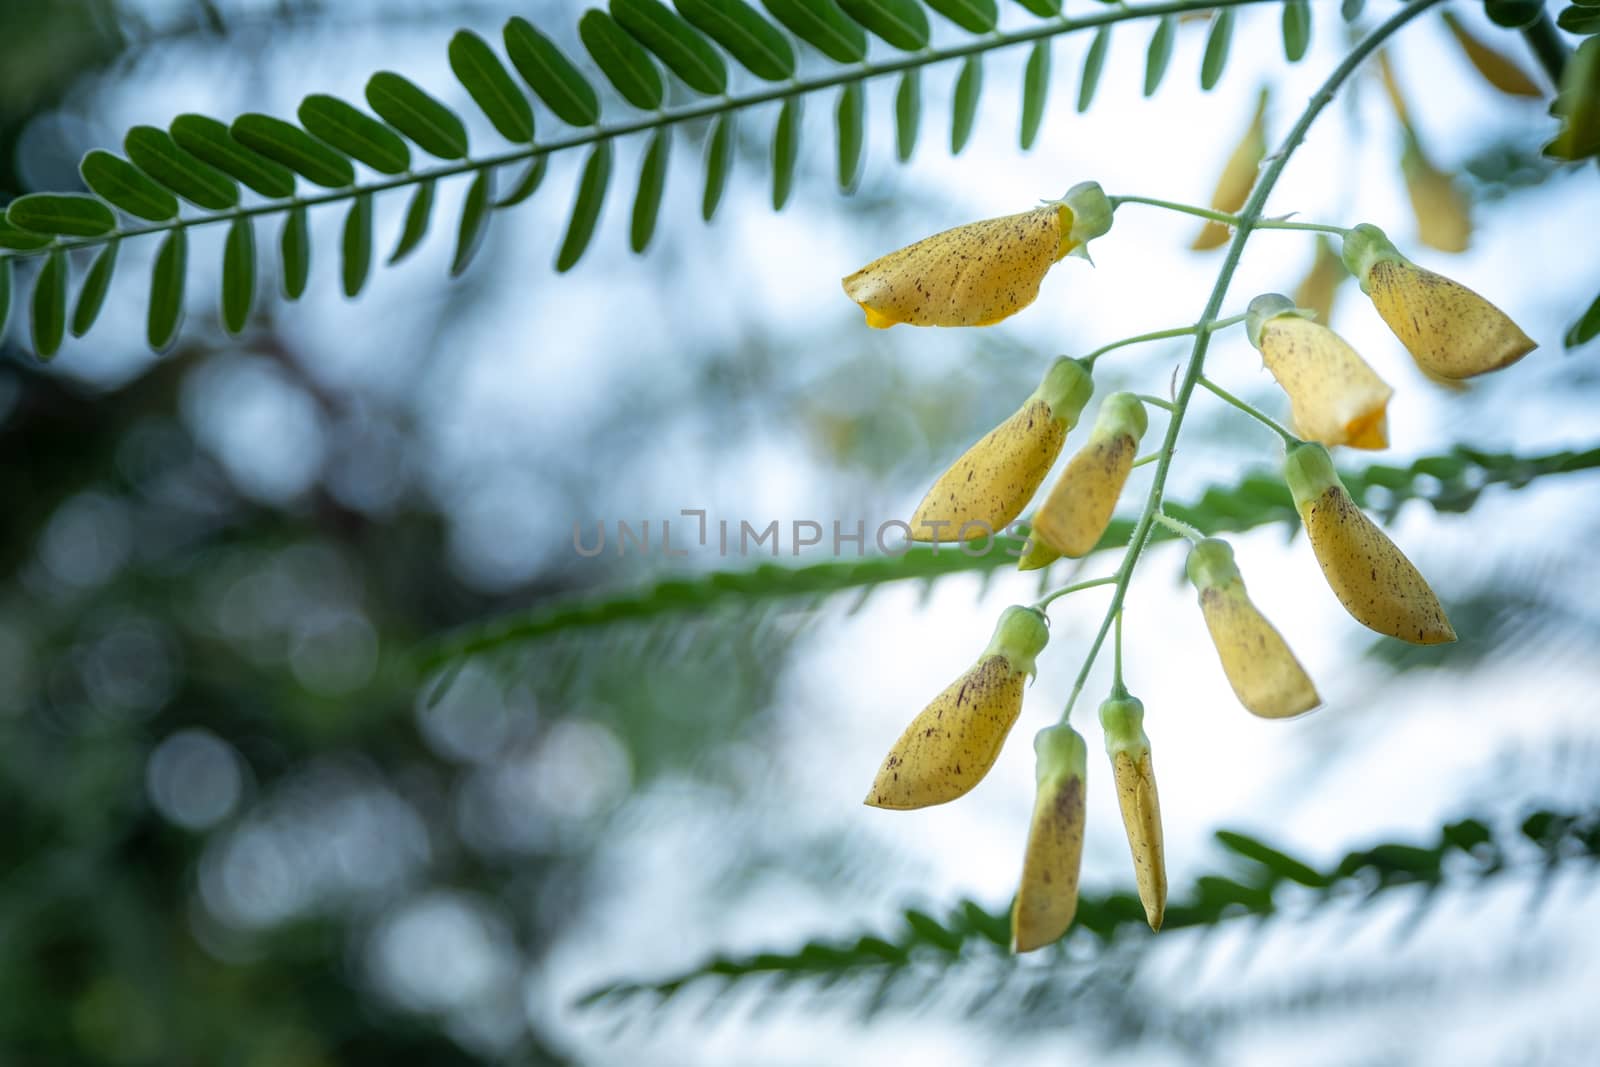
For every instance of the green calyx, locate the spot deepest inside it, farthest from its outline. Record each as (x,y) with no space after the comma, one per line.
(1122,719)
(1267,307)
(1087,214)
(1366,246)
(1060,754)
(1121,415)
(1211,566)
(1037,554)
(1019,636)
(1066,388)
(1308,470)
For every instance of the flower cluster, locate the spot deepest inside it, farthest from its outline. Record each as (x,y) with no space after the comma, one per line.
(986,271)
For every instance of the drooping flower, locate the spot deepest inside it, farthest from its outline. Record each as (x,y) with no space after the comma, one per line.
(994,479)
(1047,897)
(1336,398)
(1122,718)
(1451,331)
(1075,515)
(1372,578)
(1444,220)
(1238,178)
(980,273)
(1264,674)
(1319,288)
(953,742)
(1497,68)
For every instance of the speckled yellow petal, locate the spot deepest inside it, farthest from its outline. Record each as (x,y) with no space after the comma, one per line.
(1372,578)
(1444,221)
(1319,288)
(1047,897)
(1238,177)
(1075,515)
(980,273)
(1264,674)
(1122,718)
(951,745)
(1497,68)
(1451,331)
(994,479)
(1336,398)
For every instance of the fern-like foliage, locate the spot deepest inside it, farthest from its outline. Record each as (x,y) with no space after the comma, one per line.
(336,153)
(1465,852)
(1451,482)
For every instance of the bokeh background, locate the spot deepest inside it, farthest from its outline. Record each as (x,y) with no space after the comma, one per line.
(237,831)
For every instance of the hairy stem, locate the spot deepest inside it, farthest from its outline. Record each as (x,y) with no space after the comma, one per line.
(1251,410)
(1225,217)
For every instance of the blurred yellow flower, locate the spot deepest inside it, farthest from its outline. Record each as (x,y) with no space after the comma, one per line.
(1320,286)
(994,479)
(1497,68)
(1122,718)
(1444,220)
(1336,398)
(953,742)
(1372,578)
(1238,177)
(1047,898)
(980,273)
(1075,515)
(1451,331)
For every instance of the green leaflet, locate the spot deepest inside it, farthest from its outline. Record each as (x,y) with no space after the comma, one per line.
(528,184)
(485,78)
(551,75)
(1296,29)
(969,87)
(356,246)
(1587,328)
(1093,63)
(7,281)
(621,59)
(295,251)
(900,23)
(20,240)
(287,144)
(1035,90)
(785,152)
(353,132)
(1217,44)
(974,16)
(433,127)
(238,275)
(155,152)
(211,141)
(167,279)
(126,187)
(1159,54)
(50,305)
(586,210)
(749,38)
(92,295)
(652,183)
(674,42)
(823,26)
(66,214)
(418,214)
(1043,8)
(474,221)
(907,113)
(850,121)
(719,159)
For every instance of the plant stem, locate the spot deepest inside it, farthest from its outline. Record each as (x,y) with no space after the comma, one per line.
(1158,335)
(1547,46)
(1044,601)
(1043,29)
(1145,460)
(1249,215)
(1116,660)
(1224,217)
(1154,401)
(1179,527)
(1251,410)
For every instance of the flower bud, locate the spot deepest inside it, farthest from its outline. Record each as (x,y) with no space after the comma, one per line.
(1238,177)
(980,273)
(1336,398)
(1372,578)
(1075,515)
(1047,899)
(994,479)
(1496,67)
(1122,718)
(951,745)
(1443,220)
(1265,676)
(1451,331)
(1320,286)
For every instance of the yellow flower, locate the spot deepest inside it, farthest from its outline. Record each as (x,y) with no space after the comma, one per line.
(1336,398)
(1265,675)
(1122,718)
(1372,578)
(1451,331)
(951,745)
(994,479)
(1320,286)
(1238,177)
(1047,899)
(980,273)
(1443,219)
(1497,68)
(1076,513)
